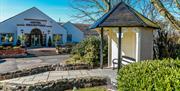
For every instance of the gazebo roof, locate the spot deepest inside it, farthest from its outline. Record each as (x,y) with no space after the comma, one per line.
(123,15)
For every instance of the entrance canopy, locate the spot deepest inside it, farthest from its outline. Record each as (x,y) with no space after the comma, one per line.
(36,32)
(123,15)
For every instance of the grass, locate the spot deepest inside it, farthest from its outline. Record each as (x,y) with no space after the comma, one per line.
(100,88)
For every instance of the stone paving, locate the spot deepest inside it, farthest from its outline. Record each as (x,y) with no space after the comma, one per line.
(55,75)
(13,64)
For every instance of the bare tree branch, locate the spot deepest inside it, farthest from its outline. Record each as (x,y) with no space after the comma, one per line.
(164,12)
(177,3)
(85,13)
(93,9)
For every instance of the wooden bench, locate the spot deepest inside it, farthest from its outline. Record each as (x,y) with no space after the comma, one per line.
(115,61)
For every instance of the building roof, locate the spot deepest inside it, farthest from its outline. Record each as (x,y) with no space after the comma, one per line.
(31,9)
(80,26)
(123,15)
(69,26)
(84,28)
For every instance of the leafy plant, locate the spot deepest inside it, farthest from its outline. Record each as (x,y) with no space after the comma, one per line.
(22,39)
(88,50)
(1,47)
(157,75)
(57,39)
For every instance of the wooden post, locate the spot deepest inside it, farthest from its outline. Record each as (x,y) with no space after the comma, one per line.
(119,50)
(109,52)
(101,49)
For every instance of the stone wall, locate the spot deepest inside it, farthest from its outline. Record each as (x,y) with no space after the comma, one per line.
(32,71)
(59,85)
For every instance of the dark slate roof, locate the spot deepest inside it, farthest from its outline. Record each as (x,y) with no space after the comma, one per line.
(123,15)
(87,31)
(84,28)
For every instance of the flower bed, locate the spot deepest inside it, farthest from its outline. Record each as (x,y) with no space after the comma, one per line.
(13,52)
(59,85)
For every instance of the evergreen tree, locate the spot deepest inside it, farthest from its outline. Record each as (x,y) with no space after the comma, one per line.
(49,42)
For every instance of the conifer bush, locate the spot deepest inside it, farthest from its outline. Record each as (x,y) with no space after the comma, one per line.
(158,75)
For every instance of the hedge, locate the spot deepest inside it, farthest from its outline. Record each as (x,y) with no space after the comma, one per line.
(157,75)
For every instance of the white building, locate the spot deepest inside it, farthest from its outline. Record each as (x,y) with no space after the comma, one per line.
(38,29)
(73,33)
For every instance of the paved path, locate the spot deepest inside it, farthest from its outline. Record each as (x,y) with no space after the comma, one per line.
(55,75)
(13,64)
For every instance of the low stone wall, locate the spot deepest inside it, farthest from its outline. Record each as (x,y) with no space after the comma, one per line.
(59,85)
(13,53)
(32,71)
(73,67)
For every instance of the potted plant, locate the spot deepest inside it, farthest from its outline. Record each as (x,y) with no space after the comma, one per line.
(22,40)
(58,49)
(57,40)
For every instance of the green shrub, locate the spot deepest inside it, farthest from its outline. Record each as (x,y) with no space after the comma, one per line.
(88,50)
(16,47)
(150,76)
(1,47)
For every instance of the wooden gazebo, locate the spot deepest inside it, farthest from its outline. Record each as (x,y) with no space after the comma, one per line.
(124,17)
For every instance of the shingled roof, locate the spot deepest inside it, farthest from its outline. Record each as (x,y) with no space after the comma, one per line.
(123,15)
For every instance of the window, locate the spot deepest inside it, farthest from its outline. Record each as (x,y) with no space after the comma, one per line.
(8,37)
(69,38)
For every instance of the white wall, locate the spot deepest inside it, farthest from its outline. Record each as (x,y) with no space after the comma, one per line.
(77,34)
(129,44)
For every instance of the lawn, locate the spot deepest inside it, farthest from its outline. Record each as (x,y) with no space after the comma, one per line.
(100,88)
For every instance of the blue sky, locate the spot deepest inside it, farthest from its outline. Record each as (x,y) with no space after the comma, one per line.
(54,8)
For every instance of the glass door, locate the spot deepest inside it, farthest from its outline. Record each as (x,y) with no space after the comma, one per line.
(36,40)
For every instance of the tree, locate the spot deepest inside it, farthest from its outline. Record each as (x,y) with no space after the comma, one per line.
(165,13)
(49,42)
(166,43)
(90,10)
